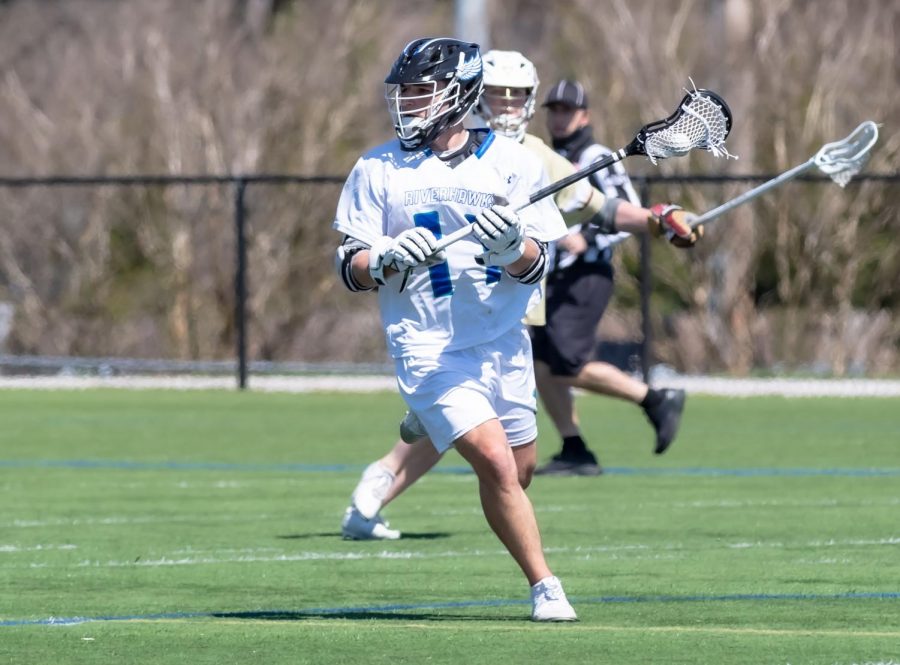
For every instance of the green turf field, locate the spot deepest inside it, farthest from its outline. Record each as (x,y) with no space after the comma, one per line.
(204,528)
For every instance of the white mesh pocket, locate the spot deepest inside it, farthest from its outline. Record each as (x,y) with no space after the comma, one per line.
(842,160)
(702,124)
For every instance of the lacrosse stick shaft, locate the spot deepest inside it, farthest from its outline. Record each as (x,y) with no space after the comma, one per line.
(562,183)
(739,200)
(735,202)
(552,188)
(752,194)
(845,156)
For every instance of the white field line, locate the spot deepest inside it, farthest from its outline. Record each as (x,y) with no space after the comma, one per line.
(824,561)
(217,484)
(676,630)
(126,520)
(780,503)
(861,542)
(11,549)
(580,552)
(118,520)
(729,387)
(700,505)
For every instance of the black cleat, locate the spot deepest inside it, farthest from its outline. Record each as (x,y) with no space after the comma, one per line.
(665,418)
(583,464)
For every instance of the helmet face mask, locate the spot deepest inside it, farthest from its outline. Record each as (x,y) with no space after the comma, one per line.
(511,84)
(431,87)
(506,110)
(416,108)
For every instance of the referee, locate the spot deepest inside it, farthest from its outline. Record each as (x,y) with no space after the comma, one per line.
(577,293)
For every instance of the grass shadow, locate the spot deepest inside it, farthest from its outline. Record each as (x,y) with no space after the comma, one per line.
(364,615)
(407,535)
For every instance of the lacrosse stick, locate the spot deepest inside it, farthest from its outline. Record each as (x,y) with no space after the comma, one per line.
(840,161)
(701,121)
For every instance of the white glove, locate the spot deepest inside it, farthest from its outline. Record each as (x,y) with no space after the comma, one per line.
(500,230)
(412,248)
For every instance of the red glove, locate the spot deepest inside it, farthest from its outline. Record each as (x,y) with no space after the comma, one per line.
(673,222)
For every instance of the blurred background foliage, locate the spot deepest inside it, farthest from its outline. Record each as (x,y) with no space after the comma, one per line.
(806,277)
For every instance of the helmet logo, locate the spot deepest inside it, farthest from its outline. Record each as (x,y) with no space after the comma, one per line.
(466,71)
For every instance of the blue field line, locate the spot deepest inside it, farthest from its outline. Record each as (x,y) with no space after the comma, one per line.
(374,609)
(356,468)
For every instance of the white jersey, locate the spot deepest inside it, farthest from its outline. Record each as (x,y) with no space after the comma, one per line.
(457,304)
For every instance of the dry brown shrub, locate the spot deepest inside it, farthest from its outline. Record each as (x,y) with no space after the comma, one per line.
(808,274)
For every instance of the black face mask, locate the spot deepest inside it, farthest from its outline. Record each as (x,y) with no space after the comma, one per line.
(573,145)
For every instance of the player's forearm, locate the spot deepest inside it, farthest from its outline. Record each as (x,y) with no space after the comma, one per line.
(528,257)
(359,265)
(531,267)
(631,218)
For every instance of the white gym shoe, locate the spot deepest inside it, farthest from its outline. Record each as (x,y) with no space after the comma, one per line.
(356,527)
(368,496)
(549,602)
(411,428)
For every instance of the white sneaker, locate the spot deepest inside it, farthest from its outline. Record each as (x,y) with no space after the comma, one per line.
(411,428)
(356,527)
(371,489)
(549,602)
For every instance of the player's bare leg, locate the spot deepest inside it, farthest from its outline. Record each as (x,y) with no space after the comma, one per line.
(662,407)
(606,379)
(502,472)
(526,461)
(408,463)
(411,462)
(506,506)
(575,459)
(381,482)
(405,464)
(556,397)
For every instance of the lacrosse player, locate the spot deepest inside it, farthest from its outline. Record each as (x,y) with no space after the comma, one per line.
(578,291)
(453,318)
(507,106)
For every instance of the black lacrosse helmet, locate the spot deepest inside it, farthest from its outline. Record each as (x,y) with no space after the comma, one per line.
(418,119)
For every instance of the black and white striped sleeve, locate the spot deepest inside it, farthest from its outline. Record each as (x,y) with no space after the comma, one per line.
(613,181)
(537,270)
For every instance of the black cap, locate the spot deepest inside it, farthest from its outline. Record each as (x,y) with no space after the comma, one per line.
(570,93)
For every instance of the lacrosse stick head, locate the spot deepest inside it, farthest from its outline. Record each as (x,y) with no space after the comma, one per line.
(702,121)
(842,160)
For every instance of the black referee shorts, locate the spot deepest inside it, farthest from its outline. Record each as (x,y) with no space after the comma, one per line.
(576,299)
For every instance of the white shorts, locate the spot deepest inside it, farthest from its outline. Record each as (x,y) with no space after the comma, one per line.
(459,390)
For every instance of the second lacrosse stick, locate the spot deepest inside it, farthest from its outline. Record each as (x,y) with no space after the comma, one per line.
(840,160)
(702,121)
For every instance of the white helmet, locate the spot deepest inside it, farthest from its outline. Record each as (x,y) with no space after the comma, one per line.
(508,111)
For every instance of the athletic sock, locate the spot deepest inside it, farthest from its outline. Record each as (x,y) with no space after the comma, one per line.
(573,446)
(653,399)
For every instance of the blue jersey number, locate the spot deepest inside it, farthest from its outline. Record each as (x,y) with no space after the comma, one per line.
(441,284)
